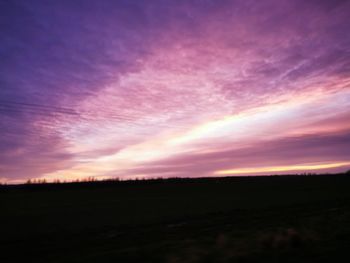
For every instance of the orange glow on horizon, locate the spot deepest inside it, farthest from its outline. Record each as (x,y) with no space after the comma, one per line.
(306,167)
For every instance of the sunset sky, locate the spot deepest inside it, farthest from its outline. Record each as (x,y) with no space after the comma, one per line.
(173,88)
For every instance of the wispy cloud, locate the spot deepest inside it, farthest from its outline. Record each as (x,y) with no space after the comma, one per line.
(115,88)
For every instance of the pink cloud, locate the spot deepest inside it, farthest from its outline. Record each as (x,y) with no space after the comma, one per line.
(179,89)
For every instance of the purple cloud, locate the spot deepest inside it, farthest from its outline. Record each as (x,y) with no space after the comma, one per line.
(82,81)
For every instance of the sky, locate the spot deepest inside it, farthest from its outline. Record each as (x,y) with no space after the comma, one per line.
(148,89)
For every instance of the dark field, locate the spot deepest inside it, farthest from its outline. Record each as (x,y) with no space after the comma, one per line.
(256,219)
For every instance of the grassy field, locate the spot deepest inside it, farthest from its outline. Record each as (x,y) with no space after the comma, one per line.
(252,219)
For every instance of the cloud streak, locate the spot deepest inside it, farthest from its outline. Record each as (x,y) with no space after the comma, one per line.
(126,88)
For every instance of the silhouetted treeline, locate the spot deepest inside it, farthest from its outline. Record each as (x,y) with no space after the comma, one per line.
(93,182)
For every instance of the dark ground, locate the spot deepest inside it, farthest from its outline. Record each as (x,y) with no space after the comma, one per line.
(256,219)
